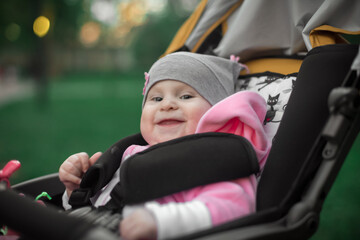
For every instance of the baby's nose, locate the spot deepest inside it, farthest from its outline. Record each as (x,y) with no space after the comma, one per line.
(169,104)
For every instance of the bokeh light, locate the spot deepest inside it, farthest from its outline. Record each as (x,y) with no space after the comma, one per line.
(41,26)
(90,33)
(155,6)
(133,13)
(104,11)
(12,32)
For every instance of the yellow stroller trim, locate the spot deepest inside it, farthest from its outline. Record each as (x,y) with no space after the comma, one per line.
(326,34)
(185,30)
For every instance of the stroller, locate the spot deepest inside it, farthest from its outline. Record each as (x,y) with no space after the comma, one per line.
(292,187)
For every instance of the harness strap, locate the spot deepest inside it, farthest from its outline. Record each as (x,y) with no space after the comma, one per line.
(80,197)
(184,163)
(99,174)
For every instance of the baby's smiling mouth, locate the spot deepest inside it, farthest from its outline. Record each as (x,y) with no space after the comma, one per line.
(169,122)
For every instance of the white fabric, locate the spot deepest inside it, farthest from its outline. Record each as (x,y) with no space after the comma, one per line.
(103,196)
(65,201)
(177,219)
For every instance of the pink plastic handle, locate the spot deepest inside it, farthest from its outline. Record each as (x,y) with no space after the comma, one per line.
(9,169)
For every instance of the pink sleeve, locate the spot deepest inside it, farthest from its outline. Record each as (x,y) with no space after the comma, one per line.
(225,200)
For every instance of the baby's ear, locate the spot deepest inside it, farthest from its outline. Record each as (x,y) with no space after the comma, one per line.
(94,158)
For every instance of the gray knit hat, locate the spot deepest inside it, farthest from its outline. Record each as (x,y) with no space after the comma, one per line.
(212,77)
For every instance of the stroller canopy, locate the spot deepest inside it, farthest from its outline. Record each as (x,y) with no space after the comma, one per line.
(259,28)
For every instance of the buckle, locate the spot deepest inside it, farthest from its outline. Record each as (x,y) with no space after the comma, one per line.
(80,197)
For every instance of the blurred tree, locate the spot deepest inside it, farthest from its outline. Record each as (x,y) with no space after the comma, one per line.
(63,15)
(146,43)
(154,37)
(20,13)
(67,20)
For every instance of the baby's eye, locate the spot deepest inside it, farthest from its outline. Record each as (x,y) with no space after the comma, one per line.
(157,99)
(186,96)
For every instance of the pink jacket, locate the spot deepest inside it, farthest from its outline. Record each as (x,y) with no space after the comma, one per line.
(241,114)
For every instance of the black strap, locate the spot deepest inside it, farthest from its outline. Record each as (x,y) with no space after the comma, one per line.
(80,197)
(182,164)
(102,171)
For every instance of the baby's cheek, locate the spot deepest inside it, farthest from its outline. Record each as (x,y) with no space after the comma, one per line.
(145,129)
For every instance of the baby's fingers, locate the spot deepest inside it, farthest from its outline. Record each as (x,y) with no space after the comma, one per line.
(77,160)
(138,225)
(72,184)
(69,173)
(84,161)
(94,158)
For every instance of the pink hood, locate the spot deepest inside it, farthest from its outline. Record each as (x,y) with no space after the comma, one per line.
(242,114)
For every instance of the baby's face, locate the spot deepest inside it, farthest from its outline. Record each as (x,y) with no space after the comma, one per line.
(172,109)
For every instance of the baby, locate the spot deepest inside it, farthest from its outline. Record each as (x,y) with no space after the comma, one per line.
(186,93)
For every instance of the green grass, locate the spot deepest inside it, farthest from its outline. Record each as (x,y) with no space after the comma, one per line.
(340,217)
(90,112)
(78,116)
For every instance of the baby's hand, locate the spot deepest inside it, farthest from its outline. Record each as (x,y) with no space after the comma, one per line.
(139,225)
(74,167)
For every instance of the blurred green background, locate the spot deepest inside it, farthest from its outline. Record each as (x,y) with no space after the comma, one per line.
(72,73)
(72,80)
